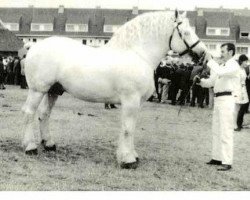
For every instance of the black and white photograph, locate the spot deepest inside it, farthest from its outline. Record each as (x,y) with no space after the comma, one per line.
(131,95)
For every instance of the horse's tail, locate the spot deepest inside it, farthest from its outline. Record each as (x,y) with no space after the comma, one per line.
(26,48)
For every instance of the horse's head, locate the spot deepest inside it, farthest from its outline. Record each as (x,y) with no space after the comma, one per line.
(184,40)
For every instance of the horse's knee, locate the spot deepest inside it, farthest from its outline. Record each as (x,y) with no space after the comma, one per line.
(28,115)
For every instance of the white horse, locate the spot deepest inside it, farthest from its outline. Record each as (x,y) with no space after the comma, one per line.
(119,72)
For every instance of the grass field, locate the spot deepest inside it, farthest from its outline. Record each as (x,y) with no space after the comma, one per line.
(172,150)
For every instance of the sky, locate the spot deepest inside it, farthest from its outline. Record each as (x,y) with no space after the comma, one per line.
(128,4)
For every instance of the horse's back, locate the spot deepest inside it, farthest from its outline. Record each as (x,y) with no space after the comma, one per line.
(47,57)
(94,74)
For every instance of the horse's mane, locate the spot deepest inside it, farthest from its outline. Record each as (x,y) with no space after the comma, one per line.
(149,25)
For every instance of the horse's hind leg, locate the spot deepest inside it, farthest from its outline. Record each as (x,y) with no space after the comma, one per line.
(29,109)
(126,154)
(44,112)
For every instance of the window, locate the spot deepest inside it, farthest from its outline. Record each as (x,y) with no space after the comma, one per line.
(12,26)
(83,28)
(77,27)
(224,32)
(34,40)
(70,27)
(242,50)
(47,27)
(218,31)
(35,27)
(211,31)
(108,28)
(244,35)
(84,41)
(41,27)
(106,41)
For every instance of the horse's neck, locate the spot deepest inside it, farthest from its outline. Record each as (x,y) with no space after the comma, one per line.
(148,36)
(152,54)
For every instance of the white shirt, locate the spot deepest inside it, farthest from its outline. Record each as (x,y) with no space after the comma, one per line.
(242,97)
(224,78)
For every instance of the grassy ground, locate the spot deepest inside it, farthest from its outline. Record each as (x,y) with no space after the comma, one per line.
(172,150)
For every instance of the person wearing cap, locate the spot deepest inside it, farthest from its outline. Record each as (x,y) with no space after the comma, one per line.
(224,79)
(241,99)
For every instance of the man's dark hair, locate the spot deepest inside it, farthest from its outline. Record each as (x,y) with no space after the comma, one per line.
(230,47)
(242,58)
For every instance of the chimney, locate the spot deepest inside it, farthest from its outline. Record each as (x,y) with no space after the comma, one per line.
(135,10)
(31,6)
(61,9)
(200,12)
(98,7)
(167,9)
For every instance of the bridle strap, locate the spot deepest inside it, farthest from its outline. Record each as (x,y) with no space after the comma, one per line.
(189,48)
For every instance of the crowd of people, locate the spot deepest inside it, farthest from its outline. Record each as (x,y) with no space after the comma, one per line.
(174,83)
(12,72)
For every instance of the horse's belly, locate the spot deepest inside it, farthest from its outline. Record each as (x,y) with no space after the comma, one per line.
(94,90)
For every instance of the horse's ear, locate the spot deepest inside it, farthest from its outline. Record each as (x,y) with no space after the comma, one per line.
(176,14)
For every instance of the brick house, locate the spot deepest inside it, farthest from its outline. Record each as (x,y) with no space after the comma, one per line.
(94,27)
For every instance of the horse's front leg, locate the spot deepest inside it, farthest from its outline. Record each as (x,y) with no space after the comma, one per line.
(126,154)
(29,109)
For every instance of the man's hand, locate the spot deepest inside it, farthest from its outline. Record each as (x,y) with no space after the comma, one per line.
(197,79)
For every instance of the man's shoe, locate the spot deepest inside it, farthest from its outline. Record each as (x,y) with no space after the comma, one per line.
(237,129)
(224,168)
(107,106)
(214,162)
(112,106)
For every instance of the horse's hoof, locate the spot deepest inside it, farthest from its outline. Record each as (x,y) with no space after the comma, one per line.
(31,152)
(52,148)
(132,165)
(48,148)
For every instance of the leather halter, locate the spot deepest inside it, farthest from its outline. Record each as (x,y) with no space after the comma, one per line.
(189,48)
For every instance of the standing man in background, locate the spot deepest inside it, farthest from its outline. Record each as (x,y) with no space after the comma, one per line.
(242,98)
